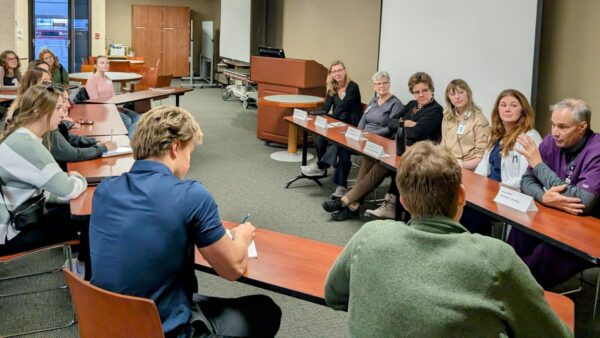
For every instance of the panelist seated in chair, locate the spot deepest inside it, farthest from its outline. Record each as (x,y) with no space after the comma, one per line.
(27,170)
(383,107)
(564,173)
(101,86)
(343,99)
(430,277)
(145,227)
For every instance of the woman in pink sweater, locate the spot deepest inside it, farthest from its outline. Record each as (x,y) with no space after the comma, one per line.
(100,86)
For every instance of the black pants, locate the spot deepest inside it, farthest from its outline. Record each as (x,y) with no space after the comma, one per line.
(248,316)
(334,156)
(56,227)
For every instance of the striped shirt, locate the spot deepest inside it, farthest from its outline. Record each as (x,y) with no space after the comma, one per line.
(27,168)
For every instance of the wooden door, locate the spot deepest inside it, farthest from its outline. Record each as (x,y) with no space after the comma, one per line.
(176,41)
(146,32)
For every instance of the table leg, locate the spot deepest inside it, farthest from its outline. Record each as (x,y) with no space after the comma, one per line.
(177,100)
(304,146)
(293,139)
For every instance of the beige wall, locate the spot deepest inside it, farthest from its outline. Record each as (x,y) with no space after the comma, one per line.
(13,20)
(569,57)
(7,24)
(118,30)
(98,26)
(326,30)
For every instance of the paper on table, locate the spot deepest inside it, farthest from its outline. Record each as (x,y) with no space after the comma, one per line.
(6,96)
(118,151)
(252,253)
(337,124)
(162,90)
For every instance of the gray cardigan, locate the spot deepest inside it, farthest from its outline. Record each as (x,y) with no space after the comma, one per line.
(375,118)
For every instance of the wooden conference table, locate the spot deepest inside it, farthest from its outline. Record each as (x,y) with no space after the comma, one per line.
(106,117)
(577,234)
(7,95)
(143,96)
(97,169)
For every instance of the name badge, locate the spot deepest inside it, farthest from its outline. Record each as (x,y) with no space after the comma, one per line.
(321,122)
(515,200)
(461,129)
(300,114)
(353,134)
(373,150)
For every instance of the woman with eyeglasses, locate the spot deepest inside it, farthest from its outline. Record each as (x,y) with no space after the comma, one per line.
(58,71)
(343,100)
(100,86)
(27,170)
(383,107)
(10,72)
(422,118)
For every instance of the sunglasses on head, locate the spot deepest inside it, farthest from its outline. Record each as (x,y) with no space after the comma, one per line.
(53,87)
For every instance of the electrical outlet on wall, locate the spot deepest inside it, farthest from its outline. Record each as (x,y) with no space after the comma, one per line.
(20,33)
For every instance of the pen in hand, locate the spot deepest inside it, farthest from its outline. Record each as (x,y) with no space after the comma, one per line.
(245,218)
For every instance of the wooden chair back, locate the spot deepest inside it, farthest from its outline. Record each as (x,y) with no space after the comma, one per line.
(164,81)
(87,68)
(103,313)
(91,60)
(149,79)
(120,66)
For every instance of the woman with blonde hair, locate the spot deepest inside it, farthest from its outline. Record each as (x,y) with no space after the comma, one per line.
(32,77)
(100,85)
(343,100)
(512,116)
(10,73)
(27,170)
(465,130)
(57,70)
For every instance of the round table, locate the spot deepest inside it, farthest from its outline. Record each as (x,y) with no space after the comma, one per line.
(291,101)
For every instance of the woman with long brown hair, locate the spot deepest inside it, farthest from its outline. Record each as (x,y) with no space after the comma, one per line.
(10,73)
(512,116)
(57,70)
(27,170)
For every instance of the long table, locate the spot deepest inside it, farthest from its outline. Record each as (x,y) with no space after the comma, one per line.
(143,96)
(577,234)
(106,117)
(97,169)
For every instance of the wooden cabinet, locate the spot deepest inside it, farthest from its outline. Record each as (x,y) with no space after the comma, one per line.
(162,32)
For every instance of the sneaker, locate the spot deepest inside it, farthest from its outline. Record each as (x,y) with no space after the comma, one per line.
(339,192)
(333,205)
(344,214)
(387,209)
(312,170)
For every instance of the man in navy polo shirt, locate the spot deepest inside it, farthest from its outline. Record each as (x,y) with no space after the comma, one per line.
(146,224)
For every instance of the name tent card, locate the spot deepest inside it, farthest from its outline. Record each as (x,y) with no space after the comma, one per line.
(321,122)
(515,200)
(300,114)
(353,134)
(373,149)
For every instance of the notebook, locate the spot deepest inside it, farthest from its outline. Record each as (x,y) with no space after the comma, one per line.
(118,151)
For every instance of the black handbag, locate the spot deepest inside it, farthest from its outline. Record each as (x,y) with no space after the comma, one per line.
(28,213)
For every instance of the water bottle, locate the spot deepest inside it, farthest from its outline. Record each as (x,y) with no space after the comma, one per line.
(400,138)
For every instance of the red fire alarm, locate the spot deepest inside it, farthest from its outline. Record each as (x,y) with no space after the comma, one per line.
(97,36)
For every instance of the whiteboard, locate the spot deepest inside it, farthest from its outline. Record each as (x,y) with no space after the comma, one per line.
(207,39)
(491,44)
(235,30)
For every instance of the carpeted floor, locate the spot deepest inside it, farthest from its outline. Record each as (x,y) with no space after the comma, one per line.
(236,168)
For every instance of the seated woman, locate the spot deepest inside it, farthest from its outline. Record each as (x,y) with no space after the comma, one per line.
(512,116)
(66,147)
(422,119)
(10,72)
(343,99)
(465,130)
(27,170)
(32,77)
(58,71)
(100,85)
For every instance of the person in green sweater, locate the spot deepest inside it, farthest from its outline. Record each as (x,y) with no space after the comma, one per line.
(431,277)
(57,70)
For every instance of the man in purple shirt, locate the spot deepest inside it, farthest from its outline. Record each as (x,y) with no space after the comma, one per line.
(564,174)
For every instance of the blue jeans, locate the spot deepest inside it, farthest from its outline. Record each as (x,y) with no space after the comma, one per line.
(130,119)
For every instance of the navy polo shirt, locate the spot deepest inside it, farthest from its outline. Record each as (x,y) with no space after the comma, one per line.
(143,229)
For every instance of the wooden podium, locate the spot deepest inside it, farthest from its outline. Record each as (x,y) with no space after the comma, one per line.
(277,76)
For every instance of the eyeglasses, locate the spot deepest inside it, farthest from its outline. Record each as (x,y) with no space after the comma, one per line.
(381,84)
(422,91)
(11,59)
(337,71)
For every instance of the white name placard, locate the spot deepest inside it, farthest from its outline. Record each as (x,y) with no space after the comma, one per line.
(300,114)
(321,122)
(373,149)
(353,134)
(515,200)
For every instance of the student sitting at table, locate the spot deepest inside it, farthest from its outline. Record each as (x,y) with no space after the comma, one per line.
(564,173)
(10,72)
(343,99)
(66,147)
(32,77)
(431,277)
(28,170)
(422,121)
(383,107)
(100,86)
(146,225)
(58,71)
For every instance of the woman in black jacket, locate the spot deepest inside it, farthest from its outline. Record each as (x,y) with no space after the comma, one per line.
(342,103)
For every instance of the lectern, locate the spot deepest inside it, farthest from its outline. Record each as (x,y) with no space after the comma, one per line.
(277,76)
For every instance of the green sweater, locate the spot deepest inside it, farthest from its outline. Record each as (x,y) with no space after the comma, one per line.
(432,278)
(60,75)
